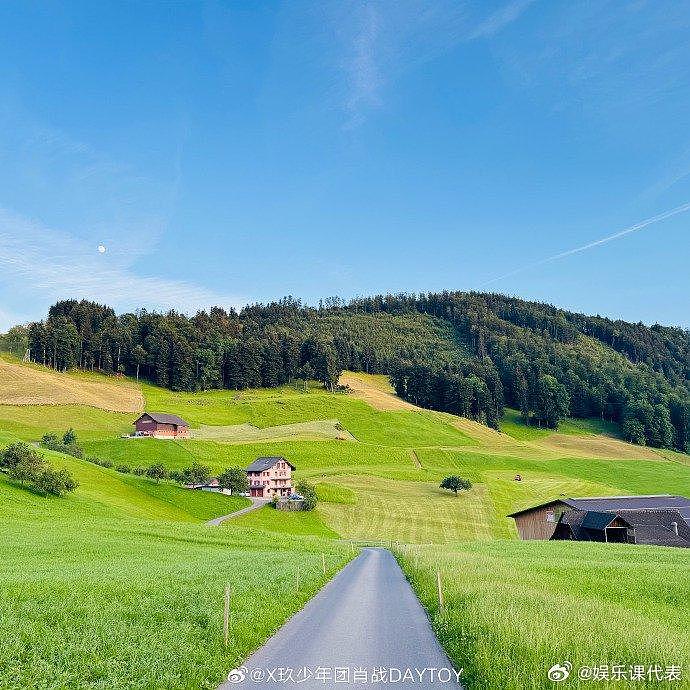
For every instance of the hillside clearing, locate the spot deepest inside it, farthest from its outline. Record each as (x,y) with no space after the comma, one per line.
(248,433)
(375,390)
(22,384)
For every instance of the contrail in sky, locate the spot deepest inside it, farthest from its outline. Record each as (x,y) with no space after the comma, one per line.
(596,243)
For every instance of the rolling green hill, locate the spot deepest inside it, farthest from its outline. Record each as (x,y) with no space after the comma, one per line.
(120,584)
(470,354)
(389,454)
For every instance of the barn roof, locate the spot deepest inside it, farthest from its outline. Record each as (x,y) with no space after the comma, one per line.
(608,503)
(164,418)
(261,464)
(650,526)
(617,503)
(598,521)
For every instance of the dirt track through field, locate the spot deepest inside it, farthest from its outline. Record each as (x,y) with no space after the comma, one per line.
(256,503)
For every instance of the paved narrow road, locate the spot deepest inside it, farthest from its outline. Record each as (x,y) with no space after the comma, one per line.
(368,618)
(256,503)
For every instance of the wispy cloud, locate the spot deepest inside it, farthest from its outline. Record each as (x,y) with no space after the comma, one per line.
(53,264)
(684,208)
(498,20)
(381,40)
(364,68)
(77,197)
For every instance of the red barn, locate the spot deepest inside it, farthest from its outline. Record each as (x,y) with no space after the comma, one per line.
(161,425)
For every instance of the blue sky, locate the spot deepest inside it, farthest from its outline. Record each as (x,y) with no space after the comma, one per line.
(227,153)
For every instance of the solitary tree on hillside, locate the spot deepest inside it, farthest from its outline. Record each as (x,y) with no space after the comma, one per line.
(235,479)
(456,484)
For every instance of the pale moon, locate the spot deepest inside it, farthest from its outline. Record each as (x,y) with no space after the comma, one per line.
(101,249)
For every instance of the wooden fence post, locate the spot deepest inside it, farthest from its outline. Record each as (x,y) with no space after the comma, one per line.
(298,578)
(323,562)
(440,590)
(226,615)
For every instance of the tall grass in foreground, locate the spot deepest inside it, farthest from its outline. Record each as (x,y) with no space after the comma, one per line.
(514,609)
(133,604)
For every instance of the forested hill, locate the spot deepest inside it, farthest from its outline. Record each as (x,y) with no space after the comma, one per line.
(467,353)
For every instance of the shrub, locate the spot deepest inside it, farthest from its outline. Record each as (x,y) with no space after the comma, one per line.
(157,472)
(308,493)
(29,468)
(101,462)
(55,482)
(26,465)
(196,474)
(235,479)
(139,471)
(67,445)
(125,469)
(456,484)
(14,454)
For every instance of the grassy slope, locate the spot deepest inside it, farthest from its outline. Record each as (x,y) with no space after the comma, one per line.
(394,465)
(521,607)
(504,608)
(32,384)
(107,492)
(103,590)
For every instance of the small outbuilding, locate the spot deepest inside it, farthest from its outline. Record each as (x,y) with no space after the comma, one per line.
(662,520)
(161,425)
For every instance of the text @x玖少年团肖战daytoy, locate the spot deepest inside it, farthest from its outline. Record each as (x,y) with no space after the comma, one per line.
(345,674)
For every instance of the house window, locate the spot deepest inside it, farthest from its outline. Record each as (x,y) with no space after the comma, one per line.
(551,516)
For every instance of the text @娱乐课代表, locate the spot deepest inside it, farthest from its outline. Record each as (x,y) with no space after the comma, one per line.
(635,673)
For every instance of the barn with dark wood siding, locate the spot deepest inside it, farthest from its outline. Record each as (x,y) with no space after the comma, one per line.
(161,425)
(662,520)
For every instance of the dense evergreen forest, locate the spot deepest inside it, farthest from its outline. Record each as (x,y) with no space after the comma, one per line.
(466,353)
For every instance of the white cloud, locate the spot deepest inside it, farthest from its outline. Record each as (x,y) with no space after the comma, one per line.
(53,264)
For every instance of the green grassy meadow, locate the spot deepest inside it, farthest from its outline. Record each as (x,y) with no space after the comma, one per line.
(120,584)
(513,609)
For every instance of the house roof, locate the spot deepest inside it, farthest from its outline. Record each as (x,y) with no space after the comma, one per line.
(617,503)
(164,418)
(261,464)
